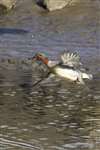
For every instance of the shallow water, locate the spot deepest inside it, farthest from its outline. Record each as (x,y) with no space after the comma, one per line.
(53,114)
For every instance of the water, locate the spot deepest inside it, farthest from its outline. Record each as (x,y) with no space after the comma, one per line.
(53,114)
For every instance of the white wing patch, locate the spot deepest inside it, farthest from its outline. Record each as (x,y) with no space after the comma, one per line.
(52,63)
(70,59)
(67,73)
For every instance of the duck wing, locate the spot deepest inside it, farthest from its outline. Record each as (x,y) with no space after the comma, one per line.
(52,63)
(70,59)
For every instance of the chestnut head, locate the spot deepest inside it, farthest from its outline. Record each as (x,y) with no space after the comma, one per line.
(40,57)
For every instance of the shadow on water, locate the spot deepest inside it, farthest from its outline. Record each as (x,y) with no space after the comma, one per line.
(12,31)
(41,4)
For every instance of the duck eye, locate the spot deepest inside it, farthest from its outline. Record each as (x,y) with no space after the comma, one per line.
(40,55)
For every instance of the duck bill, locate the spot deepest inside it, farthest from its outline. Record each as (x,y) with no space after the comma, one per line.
(33,58)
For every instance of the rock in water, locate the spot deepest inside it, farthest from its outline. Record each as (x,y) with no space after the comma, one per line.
(55,4)
(7,4)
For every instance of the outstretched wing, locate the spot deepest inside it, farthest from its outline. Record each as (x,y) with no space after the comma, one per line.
(70,59)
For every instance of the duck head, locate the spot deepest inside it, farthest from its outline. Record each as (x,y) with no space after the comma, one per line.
(41,57)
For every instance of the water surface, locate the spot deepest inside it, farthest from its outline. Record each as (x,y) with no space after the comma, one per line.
(54,114)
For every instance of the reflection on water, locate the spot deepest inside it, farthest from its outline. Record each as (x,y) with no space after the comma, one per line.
(53,114)
(12,31)
(48,113)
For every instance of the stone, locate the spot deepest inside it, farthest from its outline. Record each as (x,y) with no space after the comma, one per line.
(7,4)
(55,4)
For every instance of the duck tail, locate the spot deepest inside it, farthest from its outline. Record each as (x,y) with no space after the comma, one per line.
(87,76)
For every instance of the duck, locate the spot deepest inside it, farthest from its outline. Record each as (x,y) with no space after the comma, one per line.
(69,66)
